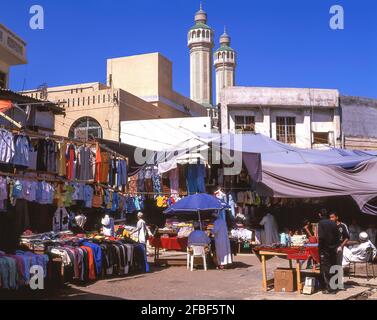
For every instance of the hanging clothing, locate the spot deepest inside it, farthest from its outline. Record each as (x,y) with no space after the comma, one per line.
(61,160)
(60,220)
(88,196)
(270,229)
(22,147)
(222,243)
(7,148)
(174,181)
(84,163)
(121,173)
(70,161)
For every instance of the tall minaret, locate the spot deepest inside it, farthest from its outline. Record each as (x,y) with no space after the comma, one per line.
(201,43)
(225,65)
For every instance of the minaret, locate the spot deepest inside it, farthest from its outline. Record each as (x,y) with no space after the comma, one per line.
(225,65)
(201,43)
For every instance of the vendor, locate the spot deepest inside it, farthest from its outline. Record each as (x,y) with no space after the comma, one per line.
(141,230)
(222,243)
(270,229)
(198,237)
(359,253)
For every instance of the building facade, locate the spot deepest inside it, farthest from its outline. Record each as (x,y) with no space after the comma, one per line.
(359,123)
(138,88)
(306,118)
(12,53)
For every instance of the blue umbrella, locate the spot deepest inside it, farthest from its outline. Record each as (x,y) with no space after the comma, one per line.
(195,204)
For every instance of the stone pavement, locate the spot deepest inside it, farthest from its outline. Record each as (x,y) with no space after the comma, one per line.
(243,282)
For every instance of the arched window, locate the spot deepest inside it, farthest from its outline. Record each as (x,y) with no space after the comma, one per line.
(207,36)
(193,34)
(227,55)
(198,34)
(232,56)
(85,129)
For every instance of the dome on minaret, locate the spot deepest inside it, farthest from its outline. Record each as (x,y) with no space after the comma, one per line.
(201,16)
(225,39)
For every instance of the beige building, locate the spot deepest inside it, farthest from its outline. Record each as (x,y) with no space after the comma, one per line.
(150,77)
(138,88)
(12,53)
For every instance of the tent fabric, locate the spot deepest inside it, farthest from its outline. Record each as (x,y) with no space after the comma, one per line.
(277,152)
(311,180)
(166,134)
(196,203)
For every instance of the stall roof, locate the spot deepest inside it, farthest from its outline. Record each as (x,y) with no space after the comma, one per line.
(165,134)
(21,100)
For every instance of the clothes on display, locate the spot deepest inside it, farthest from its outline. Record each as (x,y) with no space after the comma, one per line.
(15,268)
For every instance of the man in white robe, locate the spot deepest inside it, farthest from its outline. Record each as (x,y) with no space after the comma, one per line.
(359,253)
(271,231)
(222,243)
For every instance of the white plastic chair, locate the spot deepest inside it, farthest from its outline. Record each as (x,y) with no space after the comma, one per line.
(197,251)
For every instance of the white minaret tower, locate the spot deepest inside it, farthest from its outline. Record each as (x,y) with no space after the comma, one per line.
(225,65)
(201,43)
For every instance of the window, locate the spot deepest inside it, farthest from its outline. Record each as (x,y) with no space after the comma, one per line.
(320,138)
(85,129)
(94,99)
(286,129)
(104,99)
(78,102)
(244,124)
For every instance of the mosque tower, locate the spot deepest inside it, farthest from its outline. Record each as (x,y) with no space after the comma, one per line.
(225,65)
(201,43)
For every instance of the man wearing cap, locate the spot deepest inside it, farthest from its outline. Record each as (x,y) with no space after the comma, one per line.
(141,229)
(359,253)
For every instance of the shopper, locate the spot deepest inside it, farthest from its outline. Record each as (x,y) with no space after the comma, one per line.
(141,229)
(344,236)
(329,242)
(222,243)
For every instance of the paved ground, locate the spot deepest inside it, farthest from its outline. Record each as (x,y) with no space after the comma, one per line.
(243,282)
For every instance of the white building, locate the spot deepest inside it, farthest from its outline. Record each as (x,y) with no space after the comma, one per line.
(306,118)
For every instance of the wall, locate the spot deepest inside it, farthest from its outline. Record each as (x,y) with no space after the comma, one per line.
(266,104)
(359,119)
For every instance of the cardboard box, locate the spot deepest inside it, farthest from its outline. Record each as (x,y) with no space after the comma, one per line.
(285,280)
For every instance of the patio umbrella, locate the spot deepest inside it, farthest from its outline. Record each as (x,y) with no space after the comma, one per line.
(196,203)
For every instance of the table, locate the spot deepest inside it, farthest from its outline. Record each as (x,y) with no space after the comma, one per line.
(171,243)
(290,253)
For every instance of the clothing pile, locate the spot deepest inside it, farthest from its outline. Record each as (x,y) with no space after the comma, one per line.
(15,268)
(242,234)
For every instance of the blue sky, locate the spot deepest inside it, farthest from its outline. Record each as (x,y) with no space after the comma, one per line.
(279,43)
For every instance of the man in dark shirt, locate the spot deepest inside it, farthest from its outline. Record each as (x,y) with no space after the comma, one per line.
(344,236)
(328,243)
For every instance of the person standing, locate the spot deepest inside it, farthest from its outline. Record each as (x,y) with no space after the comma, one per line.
(372,233)
(141,229)
(328,243)
(222,243)
(344,236)
(270,229)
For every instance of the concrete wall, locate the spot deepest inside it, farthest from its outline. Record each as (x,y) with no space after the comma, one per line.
(312,111)
(150,77)
(359,122)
